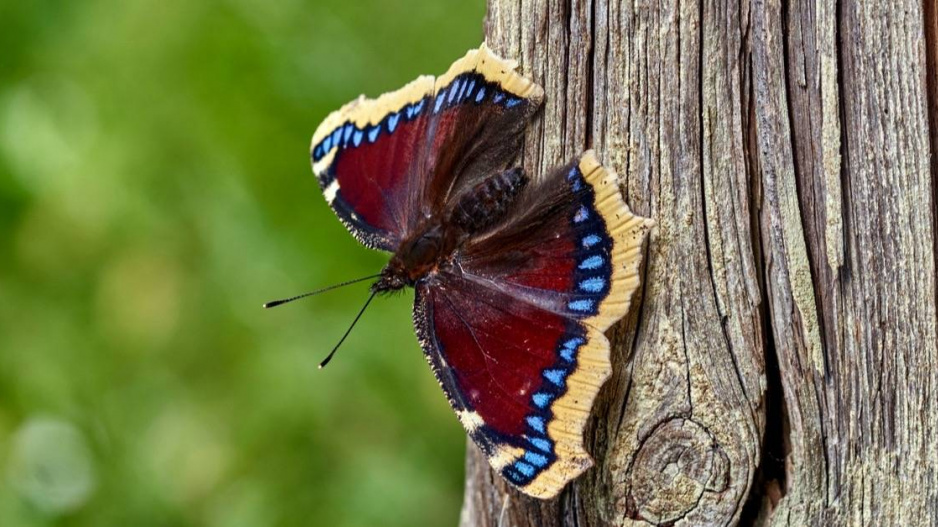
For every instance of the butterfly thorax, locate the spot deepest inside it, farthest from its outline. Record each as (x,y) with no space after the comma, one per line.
(433,245)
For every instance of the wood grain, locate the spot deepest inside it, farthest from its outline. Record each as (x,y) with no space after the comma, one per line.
(781,366)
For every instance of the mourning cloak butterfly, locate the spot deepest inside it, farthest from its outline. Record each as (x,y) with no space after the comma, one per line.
(516,278)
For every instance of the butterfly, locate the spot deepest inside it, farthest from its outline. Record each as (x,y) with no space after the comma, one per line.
(515,278)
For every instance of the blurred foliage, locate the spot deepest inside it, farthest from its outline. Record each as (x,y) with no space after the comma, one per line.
(155,189)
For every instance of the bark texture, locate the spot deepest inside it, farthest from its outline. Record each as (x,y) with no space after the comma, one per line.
(781,366)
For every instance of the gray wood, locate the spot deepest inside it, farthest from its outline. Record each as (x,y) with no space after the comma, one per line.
(781,364)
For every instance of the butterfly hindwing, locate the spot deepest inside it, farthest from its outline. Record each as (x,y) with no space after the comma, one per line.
(386,164)
(514,332)
(571,245)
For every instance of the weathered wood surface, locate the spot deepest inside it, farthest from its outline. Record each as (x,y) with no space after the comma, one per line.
(781,367)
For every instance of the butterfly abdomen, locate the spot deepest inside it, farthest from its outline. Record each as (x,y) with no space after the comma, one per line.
(483,205)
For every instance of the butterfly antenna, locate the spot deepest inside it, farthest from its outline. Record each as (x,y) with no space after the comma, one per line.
(276,303)
(349,330)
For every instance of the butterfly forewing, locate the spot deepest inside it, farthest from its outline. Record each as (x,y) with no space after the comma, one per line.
(385,165)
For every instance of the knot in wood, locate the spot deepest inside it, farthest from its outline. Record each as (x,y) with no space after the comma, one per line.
(674,466)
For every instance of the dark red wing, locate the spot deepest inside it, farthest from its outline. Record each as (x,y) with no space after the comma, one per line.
(502,363)
(496,348)
(514,329)
(365,156)
(386,164)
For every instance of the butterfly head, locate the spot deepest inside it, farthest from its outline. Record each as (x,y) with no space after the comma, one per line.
(392,279)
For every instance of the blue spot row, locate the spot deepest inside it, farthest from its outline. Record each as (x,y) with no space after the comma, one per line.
(591,281)
(463,88)
(593,255)
(539,451)
(472,87)
(350,135)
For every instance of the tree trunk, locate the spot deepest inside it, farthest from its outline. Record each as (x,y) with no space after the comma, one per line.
(780,366)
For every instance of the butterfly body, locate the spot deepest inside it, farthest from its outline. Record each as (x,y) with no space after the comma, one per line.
(515,278)
(433,245)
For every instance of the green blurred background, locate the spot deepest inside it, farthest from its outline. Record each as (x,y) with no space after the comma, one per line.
(155,189)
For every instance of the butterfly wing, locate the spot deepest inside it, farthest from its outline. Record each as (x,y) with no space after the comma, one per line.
(385,164)
(514,333)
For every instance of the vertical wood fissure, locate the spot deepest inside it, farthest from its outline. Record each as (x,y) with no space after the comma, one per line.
(930,20)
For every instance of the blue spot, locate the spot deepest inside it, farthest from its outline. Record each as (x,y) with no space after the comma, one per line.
(584,305)
(392,121)
(513,102)
(570,347)
(462,91)
(327,144)
(577,184)
(541,444)
(567,354)
(373,134)
(513,475)
(555,376)
(498,97)
(581,215)
(524,468)
(410,112)
(481,94)
(542,399)
(591,240)
(348,133)
(573,173)
(452,91)
(535,459)
(439,101)
(418,107)
(317,152)
(472,86)
(536,423)
(336,135)
(593,262)
(357,137)
(592,285)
